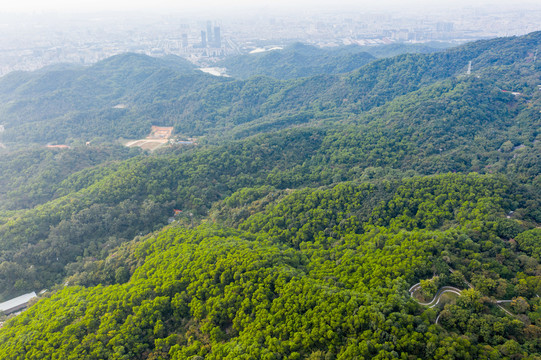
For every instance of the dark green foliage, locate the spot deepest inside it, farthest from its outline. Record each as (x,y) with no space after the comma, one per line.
(61,105)
(34,176)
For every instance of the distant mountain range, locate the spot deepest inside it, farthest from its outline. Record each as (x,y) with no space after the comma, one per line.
(54,105)
(301,60)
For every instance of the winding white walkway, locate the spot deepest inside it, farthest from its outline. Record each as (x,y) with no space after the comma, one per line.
(436,300)
(451,289)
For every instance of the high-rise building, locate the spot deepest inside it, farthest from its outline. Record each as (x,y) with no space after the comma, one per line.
(203,39)
(217,37)
(184,42)
(444,26)
(209,31)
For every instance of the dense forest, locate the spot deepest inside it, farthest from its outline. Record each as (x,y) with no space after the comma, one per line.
(322,214)
(318,273)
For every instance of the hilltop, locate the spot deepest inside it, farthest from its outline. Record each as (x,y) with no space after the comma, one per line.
(297,60)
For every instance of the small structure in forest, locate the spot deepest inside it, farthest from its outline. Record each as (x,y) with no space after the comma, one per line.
(17,304)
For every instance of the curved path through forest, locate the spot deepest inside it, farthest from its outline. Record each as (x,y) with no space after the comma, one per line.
(451,289)
(436,300)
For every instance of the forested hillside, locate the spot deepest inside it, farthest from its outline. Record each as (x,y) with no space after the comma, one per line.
(321,273)
(29,177)
(297,60)
(158,92)
(64,105)
(389,50)
(300,60)
(319,217)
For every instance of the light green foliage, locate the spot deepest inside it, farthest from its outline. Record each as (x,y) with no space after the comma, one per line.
(530,242)
(340,287)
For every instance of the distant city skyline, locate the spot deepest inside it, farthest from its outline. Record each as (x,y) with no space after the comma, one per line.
(83,32)
(210,6)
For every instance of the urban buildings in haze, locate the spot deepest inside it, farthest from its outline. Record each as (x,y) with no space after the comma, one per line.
(36,40)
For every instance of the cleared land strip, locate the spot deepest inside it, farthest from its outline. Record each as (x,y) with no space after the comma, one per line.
(148,144)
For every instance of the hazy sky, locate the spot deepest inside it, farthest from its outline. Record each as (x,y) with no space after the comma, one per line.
(213,5)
